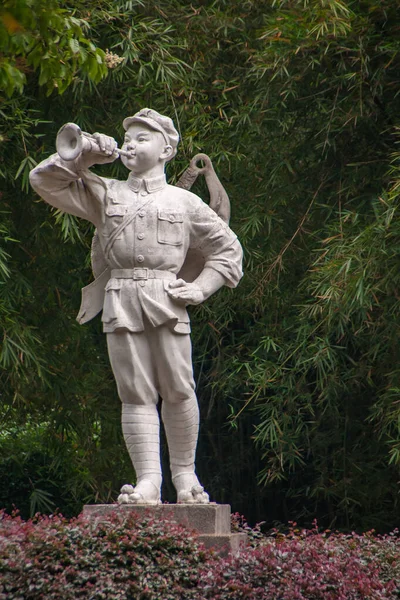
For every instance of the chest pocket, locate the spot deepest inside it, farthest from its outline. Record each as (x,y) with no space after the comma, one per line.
(114,216)
(170,228)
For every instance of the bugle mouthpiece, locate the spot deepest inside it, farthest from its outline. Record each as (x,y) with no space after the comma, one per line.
(123,152)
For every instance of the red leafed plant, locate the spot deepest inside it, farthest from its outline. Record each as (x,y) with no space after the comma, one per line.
(121,558)
(308,565)
(132,558)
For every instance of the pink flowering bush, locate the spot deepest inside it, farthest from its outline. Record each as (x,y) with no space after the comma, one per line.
(127,558)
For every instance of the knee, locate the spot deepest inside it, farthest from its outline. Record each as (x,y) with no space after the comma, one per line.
(178,389)
(132,397)
(179,396)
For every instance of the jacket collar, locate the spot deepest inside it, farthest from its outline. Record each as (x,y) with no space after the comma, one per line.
(153,184)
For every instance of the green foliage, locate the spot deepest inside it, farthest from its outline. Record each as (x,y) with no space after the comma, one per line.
(42,36)
(41,470)
(296,102)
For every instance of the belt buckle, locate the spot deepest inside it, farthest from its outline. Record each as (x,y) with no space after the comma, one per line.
(141,273)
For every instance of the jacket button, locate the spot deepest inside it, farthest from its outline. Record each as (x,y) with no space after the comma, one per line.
(142,283)
(143,193)
(140,236)
(140,258)
(142,213)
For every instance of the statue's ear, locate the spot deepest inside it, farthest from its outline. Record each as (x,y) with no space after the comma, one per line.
(167,153)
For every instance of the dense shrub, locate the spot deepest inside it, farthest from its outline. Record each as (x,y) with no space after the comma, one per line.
(305,565)
(39,472)
(122,558)
(126,558)
(43,472)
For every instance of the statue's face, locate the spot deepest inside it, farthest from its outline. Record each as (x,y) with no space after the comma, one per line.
(146,146)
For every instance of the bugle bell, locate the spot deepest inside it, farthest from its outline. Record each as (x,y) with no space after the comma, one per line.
(72,141)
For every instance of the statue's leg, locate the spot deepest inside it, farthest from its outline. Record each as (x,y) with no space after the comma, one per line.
(131,361)
(181,422)
(180,412)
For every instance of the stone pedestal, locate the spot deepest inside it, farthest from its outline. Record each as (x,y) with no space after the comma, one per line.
(211,521)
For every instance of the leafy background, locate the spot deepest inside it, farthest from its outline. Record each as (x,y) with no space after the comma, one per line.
(296,102)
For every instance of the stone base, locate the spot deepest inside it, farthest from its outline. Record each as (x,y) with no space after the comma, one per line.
(230,543)
(211,521)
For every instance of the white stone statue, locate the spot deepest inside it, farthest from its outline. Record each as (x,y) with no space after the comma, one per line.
(149,233)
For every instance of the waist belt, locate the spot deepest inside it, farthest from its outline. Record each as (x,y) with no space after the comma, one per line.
(144,273)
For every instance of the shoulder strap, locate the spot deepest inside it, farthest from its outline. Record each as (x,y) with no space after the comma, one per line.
(127,220)
(219,202)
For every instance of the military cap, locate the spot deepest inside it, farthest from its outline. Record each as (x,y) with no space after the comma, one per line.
(155,121)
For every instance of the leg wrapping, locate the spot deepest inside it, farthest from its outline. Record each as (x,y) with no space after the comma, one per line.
(141,429)
(181,422)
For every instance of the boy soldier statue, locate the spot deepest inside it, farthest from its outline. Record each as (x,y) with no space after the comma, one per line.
(145,229)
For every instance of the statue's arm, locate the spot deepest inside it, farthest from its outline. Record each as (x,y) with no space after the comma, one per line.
(220,247)
(208,282)
(61,185)
(223,258)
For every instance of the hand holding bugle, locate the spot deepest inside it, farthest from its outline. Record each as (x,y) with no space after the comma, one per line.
(71,142)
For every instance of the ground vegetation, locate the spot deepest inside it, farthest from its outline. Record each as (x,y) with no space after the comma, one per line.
(129,558)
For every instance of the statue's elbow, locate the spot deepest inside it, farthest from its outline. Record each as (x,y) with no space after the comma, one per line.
(34,179)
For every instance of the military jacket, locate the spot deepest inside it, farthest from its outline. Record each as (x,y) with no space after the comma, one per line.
(163,223)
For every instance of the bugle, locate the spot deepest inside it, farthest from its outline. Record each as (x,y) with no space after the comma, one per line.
(72,141)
